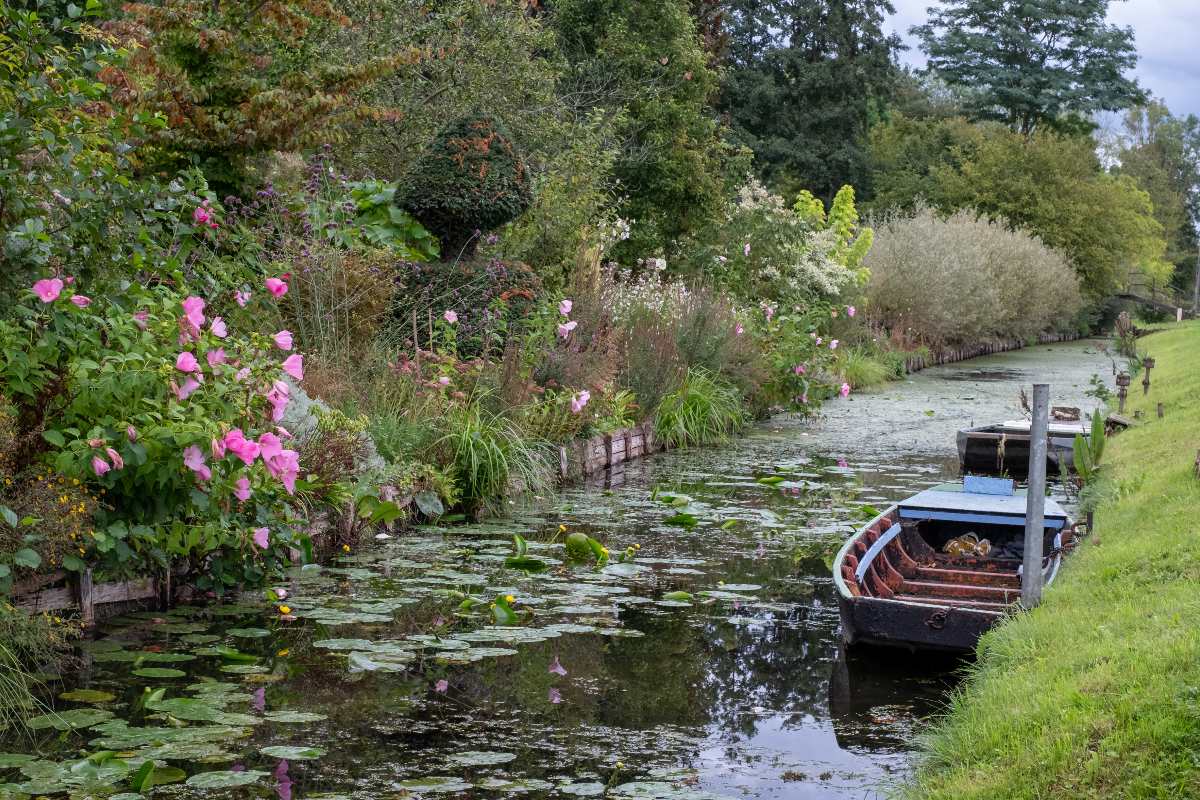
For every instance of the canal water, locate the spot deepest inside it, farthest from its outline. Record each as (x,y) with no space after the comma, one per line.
(702,662)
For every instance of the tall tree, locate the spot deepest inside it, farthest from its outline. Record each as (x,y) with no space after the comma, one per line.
(1032,62)
(802,77)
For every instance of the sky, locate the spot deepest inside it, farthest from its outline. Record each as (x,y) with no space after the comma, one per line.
(1168,42)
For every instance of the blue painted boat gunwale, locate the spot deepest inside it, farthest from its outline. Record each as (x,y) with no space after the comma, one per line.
(874,550)
(985,519)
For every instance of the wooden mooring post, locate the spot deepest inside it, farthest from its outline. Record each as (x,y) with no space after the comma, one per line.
(1035,498)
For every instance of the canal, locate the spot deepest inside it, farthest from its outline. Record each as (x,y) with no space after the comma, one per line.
(706,664)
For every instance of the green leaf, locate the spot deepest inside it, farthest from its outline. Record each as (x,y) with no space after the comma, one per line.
(55,438)
(10,516)
(142,779)
(27,558)
(74,11)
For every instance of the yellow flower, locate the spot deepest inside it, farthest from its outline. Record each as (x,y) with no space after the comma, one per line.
(637,547)
(562,528)
(604,550)
(345,548)
(508,598)
(285,610)
(284,651)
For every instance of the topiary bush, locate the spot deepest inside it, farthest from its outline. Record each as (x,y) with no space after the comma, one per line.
(470,180)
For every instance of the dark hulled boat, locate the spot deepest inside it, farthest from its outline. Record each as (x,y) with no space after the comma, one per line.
(1004,448)
(938,569)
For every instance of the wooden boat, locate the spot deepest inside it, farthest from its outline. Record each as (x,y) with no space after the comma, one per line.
(1004,448)
(897,585)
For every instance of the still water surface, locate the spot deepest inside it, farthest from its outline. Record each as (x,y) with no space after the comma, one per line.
(383,687)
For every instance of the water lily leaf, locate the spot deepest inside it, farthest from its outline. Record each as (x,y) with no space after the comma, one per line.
(159,672)
(249,633)
(225,779)
(583,789)
(292,753)
(87,696)
(10,760)
(526,563)
(244,669)
(233,654)
(75,718)
(482,758)
(677,596)
(293,716)
(434,784)
(772,480)
(683,519)
(343,644)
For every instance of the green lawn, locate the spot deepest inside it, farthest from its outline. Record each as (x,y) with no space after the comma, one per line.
(1096,693)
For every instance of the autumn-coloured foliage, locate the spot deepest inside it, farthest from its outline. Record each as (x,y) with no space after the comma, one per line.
(234,80)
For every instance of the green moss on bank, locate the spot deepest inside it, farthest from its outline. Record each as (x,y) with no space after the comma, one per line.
(1096,694)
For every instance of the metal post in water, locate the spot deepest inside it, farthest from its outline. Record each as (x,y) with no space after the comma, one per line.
(1035,501)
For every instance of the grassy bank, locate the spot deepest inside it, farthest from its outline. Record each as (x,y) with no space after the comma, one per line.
(1097,692)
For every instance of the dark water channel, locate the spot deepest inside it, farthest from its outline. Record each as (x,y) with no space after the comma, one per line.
(385,687)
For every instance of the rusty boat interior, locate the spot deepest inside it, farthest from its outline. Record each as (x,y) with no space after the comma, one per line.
(940,567)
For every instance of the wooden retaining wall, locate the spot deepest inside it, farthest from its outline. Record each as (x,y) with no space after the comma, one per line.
(60,591)
(584,457)
(953,354)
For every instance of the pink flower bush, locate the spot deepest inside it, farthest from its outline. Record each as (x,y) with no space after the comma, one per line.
(183,392)
(276,287)
(245,449)
(286,467)
(193,459)
(48,289)
(115,458)
(99,466)
(241,489)
(850,311)
(217,448)
(283,340)
(833,344)
(186,362)
(140,318)
(269,446)
(193,312)
(218,328)
(746,249)
(215,357)
(738,330)
(565,307)
(450,316)
(845,390)
(131,433)
(579,400)
(565,328)
(800,369)
(262,537)
(241,297)
(294,365)
(202,216)
(278,398)
(81,301)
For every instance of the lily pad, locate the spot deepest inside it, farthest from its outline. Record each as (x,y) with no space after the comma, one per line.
(482,758)
(292,753)
(75,718)
(249,633)
(583,789)
(434,784)
(87,696)
(10,760)
(225,779)
(293,716)
(159,672)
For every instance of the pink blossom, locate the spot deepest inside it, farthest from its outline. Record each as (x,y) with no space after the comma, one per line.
(565,307)
(193,459)
(441,686)
(262,537)
(215,357)
(286,467)
(183,392)
(48,289)
(241,297)
(131,432)
(283,432)
(118,462)
(276,287)
(554,695)
(800,369)
(140,318)
(201,216)
(269,446)
(841,462)
(241,489)
(242,374)
(283,340)
(746,249)
(218,328)
(738,330)
(850,311)
(833,344)
(819,340)
(245,449)
(580,400)
(294,365)
(565,328)
(193,311)
(556,667)
(444,380)
(217,446)
(450,316)
(278,398)
(81,301)
(99,465)
(804,399)
(845,390)
(186,362)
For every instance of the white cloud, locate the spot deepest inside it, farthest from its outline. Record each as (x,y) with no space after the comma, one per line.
(1168,41)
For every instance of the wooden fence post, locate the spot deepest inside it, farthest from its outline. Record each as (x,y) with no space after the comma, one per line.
(1035,498)
(87,609)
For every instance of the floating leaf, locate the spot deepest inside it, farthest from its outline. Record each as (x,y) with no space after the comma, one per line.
(293,716)
(87,696)
(71,719)
(159,672)
(225,779)
(482,758)
(683,519)
(292,753)
(249,633)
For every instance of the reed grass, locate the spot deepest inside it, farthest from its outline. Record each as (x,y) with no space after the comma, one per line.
(705,409)
(1096,693)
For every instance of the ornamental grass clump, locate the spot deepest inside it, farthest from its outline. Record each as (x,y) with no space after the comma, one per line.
(704,410)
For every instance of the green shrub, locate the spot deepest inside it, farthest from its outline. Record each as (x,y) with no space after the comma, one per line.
(862,369)
(490,456)
(704,410)
(470,181)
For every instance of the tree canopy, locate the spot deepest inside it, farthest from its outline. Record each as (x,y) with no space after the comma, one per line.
(1032,62)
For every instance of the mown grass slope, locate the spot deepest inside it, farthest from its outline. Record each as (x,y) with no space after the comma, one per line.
(1096,693)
